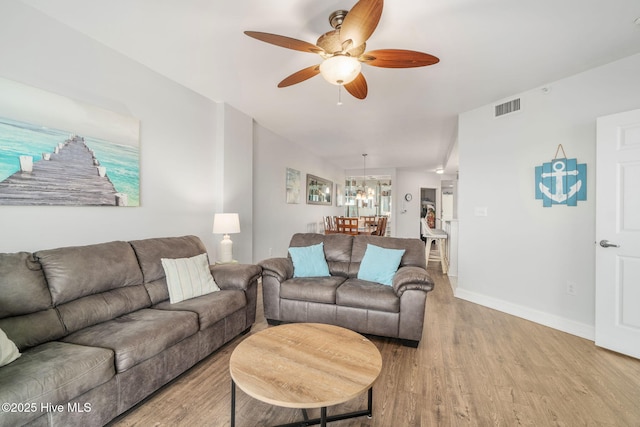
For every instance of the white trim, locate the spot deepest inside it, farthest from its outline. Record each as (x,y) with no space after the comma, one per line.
(453,281)
(560,323)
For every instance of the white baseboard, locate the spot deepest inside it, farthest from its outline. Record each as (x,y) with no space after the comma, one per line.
(556,322)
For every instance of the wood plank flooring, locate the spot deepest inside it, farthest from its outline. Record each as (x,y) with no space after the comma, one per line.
(474,367)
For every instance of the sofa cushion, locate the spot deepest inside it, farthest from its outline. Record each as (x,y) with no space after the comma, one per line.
(94,309)
(23,288)
(337,249)
(74,272)
(210,308)
(308,261)
(316,289)
(380,264)
(53,373)
(188,277)
(138,336)
(8,350)
(158,290)
(151,251)
(368,295)
(33,329)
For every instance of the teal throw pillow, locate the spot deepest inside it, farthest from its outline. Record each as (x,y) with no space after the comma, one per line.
(380,264)
(308,261)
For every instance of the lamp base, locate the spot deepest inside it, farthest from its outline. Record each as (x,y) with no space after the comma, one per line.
(226,250)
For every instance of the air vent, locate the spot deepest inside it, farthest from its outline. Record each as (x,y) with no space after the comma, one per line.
(508,107)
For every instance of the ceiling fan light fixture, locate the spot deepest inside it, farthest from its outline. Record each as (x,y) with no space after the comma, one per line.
(340,69)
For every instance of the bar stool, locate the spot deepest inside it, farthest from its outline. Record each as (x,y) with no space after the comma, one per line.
(438,236)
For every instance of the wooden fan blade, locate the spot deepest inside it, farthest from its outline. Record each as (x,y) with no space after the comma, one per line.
(361,21)
(300,76)
(397,58)
(284,41)
(358,87)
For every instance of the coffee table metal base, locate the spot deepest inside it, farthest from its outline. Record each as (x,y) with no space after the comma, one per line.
(323,420)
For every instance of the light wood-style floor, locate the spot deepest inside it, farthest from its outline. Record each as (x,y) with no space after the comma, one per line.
(474,367)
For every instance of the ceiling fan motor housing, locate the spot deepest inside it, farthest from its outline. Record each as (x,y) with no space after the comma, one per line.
(331,44)
(337,17)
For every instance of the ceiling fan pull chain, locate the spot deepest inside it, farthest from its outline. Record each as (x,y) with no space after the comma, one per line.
(339,94)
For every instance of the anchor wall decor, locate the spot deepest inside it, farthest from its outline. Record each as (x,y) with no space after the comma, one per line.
(561,181)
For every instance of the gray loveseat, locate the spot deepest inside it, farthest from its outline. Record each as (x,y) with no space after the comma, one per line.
(97,332)
(342,299)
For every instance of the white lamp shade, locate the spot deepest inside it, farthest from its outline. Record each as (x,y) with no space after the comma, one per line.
(340,69)
(226,223)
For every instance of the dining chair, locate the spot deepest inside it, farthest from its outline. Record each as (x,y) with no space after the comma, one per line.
(346,225)
(329,224)
(369,224)
(440,237)
(381,227)
(369,220)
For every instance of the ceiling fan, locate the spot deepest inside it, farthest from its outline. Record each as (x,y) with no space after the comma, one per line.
(343,49)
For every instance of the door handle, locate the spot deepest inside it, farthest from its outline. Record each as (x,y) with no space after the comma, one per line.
(608,244)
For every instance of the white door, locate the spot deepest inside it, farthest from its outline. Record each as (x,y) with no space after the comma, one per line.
(447,207)
(618,233)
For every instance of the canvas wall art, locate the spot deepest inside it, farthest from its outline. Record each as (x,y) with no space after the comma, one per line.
(293,185)
(561,181)
(57,151)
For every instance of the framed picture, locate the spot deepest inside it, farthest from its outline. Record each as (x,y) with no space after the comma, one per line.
(339,195)
(58,151)
(319,190)
(293,185)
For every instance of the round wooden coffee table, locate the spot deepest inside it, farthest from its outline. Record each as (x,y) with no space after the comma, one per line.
(305,365)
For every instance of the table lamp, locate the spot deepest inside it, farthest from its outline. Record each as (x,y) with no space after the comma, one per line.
(226,223)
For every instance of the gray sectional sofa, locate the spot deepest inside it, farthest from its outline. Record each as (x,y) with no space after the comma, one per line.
(396,310)
(97,332)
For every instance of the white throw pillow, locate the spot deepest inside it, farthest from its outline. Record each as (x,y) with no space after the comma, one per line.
(188,277)
(8,350)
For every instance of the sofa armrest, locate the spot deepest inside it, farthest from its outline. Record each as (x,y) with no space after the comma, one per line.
(235,276)
(280,268)
(411,277)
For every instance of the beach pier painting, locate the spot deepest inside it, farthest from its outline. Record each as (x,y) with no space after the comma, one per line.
(56,151)
(71,175)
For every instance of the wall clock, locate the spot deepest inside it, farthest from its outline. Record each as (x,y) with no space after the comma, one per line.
(408,197)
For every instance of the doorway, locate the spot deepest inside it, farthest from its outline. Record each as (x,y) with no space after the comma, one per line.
(428,206)
(448,208)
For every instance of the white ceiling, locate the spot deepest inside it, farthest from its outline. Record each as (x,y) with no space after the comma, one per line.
(488,50)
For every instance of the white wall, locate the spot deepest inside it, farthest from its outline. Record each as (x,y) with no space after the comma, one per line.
(274,220)
(177,138)
(411,181)
(520,256)
(234,175)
